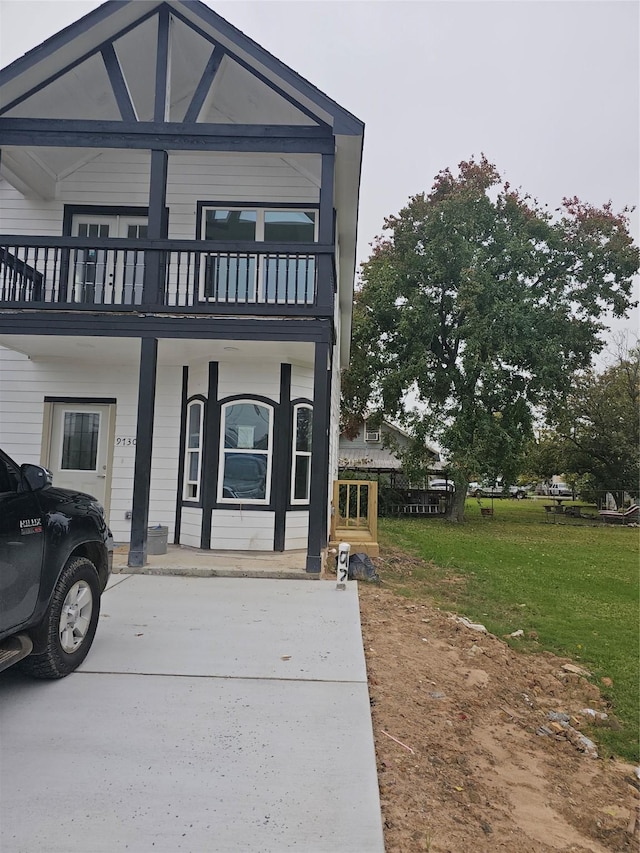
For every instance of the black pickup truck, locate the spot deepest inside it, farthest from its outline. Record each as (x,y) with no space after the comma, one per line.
(56,553)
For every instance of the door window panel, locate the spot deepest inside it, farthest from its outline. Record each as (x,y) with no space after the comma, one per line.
(80,441)
(133,274)
(90,265)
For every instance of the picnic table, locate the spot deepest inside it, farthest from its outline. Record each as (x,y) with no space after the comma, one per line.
(556,507)
(573,511)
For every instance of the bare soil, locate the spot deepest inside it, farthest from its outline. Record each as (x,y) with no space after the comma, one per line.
(464,763)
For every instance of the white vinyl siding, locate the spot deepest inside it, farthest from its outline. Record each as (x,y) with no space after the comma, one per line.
(190,526)
(242,530)
(296,531)
(248,376)
(119,177)
(23,387)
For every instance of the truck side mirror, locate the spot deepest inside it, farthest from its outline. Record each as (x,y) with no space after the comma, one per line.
(35,476)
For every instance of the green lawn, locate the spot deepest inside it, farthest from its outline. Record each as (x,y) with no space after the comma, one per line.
(574,584)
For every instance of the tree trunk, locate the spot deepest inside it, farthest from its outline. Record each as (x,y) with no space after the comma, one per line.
(456,507)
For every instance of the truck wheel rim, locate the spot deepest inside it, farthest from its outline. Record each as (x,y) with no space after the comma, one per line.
(75,616)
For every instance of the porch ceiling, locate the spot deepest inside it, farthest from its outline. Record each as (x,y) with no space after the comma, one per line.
(126,351)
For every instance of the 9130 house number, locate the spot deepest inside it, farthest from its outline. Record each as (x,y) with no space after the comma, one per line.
(124,441)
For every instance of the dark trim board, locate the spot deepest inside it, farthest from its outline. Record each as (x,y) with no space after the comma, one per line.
(210,454)
(144,446)
(317,538)
(184,401)
(84,401)
(204,85)
(120,325)
(118,83)
(281,468)
(72,133)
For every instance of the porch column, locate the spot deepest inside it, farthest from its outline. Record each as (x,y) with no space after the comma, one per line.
(144,442)
(326,229)
(318,504)
(157,228)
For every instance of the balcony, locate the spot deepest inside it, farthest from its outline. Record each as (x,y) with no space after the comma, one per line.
(204,277)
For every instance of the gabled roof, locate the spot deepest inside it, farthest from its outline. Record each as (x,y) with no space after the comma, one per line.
(115,18)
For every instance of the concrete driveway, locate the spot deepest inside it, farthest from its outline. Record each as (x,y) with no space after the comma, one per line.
(211,715)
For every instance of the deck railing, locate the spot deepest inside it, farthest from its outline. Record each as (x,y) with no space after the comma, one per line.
(203,276)
(355,508)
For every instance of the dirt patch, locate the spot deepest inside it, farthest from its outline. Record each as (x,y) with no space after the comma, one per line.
(468,757)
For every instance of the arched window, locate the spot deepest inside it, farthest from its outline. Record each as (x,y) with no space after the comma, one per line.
(193,451)
(246,442)
(301,467)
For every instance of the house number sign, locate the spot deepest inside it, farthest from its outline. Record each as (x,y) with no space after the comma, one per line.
(125,441)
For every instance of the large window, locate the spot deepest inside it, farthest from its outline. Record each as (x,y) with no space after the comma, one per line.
(245,452)
(301,469)
(193,451)
(266,277)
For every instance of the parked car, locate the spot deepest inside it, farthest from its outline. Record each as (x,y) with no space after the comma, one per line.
(560,490)
(56,554)
(497,490)
(440,485)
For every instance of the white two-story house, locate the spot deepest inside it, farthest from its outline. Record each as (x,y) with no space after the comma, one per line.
(178,217)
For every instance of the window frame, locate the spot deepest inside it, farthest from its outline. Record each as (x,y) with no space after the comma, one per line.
(221,499)
(256,284)
(295,453)
(190,450)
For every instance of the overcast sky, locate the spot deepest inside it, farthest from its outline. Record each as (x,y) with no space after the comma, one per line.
(548,90)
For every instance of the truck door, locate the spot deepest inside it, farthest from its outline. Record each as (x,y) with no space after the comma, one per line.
(21,548)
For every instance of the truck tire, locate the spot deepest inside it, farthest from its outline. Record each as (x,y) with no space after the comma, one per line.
(69,626)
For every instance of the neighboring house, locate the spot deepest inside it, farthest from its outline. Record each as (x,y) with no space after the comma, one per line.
(371,452)
(177,251)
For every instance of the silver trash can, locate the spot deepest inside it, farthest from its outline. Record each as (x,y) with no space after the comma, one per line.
(157,539)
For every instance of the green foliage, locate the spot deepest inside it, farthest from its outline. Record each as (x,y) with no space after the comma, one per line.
(478,306)
(575,585)
(599,429)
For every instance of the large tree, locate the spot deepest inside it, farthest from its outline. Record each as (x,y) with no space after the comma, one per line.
(477,306)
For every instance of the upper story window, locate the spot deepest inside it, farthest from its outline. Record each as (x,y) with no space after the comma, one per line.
(272,276)
(371,433)
(193,451)
(301,468)
(245,452)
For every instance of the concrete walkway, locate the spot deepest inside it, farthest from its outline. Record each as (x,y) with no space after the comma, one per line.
(211,715)
(181,560)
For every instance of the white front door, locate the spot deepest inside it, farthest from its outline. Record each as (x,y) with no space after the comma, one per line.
(108,277)
(78,456)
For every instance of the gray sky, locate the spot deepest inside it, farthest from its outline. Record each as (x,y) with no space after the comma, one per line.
(548,90)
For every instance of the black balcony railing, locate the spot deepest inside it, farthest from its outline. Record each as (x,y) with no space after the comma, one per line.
(200,276)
